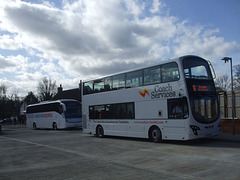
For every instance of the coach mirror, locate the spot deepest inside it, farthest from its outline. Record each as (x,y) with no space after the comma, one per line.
(62,108)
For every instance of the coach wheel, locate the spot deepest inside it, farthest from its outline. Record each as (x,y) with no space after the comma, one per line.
(155,134)
(54,126)
(99,131)
(34,126)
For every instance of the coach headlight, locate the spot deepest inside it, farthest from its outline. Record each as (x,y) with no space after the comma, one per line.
(195,129)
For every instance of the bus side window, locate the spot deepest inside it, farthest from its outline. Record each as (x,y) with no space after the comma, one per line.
(98,85)
(112,111)
(91,112)
(177,108)
(130,111)
(152,75)
(119,111)
(134,79)
(170,72)
(108,84)
(88,87)
(118,81)
(99,112)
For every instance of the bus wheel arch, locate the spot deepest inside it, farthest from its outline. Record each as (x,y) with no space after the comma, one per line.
(155,134)
(54,126)
(99,131)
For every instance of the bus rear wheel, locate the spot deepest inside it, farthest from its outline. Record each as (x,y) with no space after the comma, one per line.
(54,126)
(100,131)
(155,134)
(34,126)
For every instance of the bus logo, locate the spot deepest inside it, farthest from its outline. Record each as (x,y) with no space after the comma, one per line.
(144,92)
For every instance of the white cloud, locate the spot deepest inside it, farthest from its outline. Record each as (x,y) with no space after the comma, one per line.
(10,42)
(157,6)
(13,63)
(5,64)
(90,38)
(202,42)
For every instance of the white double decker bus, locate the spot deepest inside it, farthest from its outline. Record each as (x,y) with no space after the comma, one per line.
(55,115)
(173,100)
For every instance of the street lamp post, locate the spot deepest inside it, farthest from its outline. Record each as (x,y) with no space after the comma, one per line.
(226,59)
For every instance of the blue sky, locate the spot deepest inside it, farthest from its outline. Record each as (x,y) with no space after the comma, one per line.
(80,39)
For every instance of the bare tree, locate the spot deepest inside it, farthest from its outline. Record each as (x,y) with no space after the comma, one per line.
(223,82)
(31,98)
(46,89)
(3,100)
(3,90)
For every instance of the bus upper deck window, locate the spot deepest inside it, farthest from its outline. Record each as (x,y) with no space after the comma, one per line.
(170,72)
(152,75)
(98,85)
(199,71)
(196,68)
(108,84)
(88,87)
(118,81)
(134,79)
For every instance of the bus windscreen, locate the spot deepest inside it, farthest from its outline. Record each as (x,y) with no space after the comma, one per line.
(73,109)
(201,89)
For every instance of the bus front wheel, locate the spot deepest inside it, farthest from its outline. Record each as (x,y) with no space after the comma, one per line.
(54,126)
(99,131)
(155,134)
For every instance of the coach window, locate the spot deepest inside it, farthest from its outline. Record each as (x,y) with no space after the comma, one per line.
(118,81)
(170,72)
(134,79)
(152,75)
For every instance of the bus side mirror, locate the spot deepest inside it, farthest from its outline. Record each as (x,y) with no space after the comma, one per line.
(63,107)
(60,109)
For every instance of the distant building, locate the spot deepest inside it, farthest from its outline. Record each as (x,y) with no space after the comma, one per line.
(68,94)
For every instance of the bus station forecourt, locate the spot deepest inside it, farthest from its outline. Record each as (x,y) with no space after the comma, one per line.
(71,154)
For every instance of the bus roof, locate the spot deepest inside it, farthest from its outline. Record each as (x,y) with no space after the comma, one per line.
(55,101)
(142,67)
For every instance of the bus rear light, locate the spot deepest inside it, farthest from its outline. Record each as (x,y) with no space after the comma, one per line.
(195,129)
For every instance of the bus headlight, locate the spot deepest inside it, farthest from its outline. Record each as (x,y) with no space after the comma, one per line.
(195,129)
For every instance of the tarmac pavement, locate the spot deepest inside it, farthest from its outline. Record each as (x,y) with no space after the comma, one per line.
(228,137)
(71,154)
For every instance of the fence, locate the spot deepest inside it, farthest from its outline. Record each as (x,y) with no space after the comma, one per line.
(225,100)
